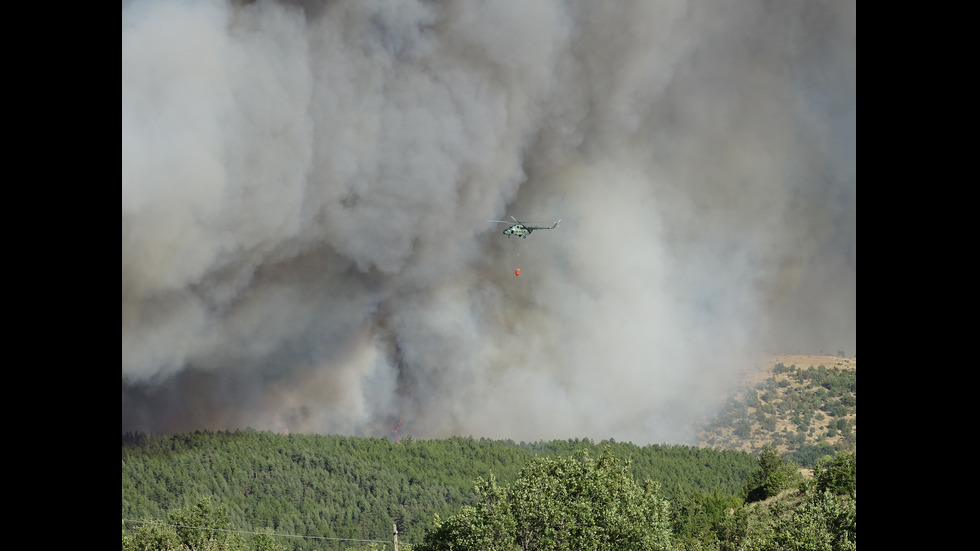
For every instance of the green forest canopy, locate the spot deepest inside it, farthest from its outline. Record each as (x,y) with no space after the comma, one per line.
(350,487)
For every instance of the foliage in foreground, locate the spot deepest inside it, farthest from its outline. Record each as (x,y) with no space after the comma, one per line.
(560,504)
(580,503)
(350,487)
(773,476)
(201,526)
(825,519)
(821,522)
(785,511)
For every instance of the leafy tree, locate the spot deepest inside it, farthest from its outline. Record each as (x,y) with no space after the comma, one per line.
(707,521)
(204,526)
(810,455)
(767,423)
(561,504)
(266,541)
(200,526)
(822,522)
(152,536)
(743,429)
(488,525)
(772,476)
(837,475)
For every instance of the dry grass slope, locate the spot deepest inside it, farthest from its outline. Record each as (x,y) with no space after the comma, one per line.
(786,434)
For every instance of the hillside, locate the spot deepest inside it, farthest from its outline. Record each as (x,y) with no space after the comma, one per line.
(803,405)
(339,488)
(349,487)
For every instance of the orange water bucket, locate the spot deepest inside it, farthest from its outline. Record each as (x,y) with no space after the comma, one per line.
(517,272)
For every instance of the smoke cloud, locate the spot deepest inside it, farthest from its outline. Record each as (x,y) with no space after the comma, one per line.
(306,189)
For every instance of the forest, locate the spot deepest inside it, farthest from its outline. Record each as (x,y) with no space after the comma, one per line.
(340,492)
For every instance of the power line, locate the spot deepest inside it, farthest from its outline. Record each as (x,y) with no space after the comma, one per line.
(251,532)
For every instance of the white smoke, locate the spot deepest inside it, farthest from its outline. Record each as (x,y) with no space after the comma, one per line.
(306,190)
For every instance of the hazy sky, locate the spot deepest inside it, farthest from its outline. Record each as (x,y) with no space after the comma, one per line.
(306,194)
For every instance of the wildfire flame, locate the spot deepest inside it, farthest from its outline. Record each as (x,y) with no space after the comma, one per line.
(395,430)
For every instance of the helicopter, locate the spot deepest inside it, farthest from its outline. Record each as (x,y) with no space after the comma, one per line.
(523,229)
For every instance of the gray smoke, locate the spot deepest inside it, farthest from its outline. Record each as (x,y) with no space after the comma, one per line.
(306,189)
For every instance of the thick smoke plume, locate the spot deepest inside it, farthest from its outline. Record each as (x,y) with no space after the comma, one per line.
(306,189)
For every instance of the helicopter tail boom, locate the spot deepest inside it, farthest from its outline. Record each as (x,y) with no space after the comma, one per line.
(551,227)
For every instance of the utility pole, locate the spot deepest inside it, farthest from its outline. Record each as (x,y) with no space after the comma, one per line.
(395,528)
